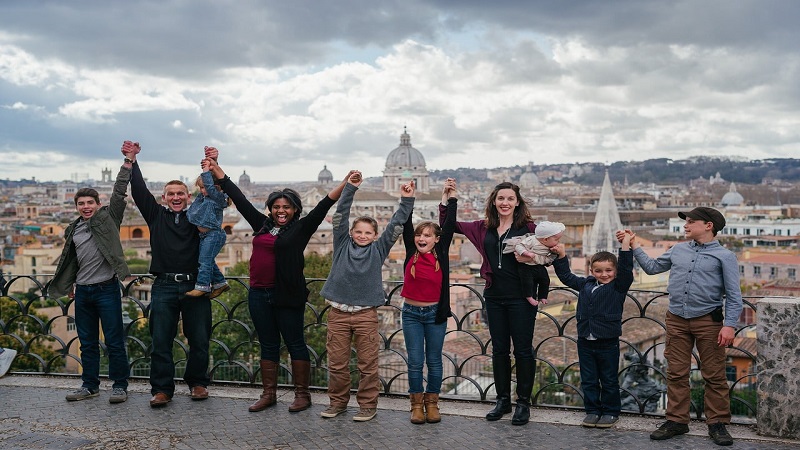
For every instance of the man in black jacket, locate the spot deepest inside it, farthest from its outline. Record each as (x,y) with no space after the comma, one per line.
(174,244)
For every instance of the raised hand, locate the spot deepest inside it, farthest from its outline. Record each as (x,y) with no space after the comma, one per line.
(408,189)
(211,152)
(449,190)
(205,164)
(130,149)
(355,178)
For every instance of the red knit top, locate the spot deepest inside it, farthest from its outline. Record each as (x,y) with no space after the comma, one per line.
(422,279)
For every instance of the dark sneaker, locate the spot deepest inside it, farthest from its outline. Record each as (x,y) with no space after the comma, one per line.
(607,421)
(668,430)
(333,411)
(590,421)
(719,434)
(365,414)
(82,394)
(118,395)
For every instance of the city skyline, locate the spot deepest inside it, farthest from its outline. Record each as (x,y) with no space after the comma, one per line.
(284,89)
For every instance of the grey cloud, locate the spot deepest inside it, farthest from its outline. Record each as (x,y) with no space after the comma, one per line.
(192,39)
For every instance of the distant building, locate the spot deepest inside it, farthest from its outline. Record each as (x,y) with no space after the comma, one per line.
(405,163)
(732,198)
(325,176)
(602,235)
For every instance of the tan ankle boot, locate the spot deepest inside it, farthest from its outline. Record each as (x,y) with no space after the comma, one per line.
(417,413)
(432,407)
(301,372)
(269,379)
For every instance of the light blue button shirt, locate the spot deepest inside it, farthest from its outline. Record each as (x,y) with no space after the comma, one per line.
(700,275)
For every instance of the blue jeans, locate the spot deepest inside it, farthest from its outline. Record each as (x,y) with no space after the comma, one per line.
(599,363)
(272,322)
(424,342)
(170,304)
(208,274)
(95,305)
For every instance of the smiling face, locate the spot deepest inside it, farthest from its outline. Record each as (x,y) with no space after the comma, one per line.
(698,230)
(363,233)
(604,271)
(176,196)
(506,201)
(425,239)
(282,211)
(86,206)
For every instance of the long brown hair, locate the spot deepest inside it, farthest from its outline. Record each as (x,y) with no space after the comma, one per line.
(521,214)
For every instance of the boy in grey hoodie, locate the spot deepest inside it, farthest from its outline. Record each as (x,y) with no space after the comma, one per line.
(354,290)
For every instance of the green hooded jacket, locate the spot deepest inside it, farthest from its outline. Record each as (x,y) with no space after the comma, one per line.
(104,226)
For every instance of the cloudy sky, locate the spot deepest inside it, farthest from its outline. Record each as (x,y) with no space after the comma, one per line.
(284,87)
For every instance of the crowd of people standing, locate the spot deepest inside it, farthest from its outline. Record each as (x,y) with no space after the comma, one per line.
(705,300)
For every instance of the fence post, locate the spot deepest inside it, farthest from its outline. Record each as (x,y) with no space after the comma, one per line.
(778,363)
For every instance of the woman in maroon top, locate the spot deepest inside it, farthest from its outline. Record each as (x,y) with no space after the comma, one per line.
(278,292)
(511,318)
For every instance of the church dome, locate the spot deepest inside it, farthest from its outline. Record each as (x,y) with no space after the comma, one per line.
(405,156)
(528,180)
(732,198)
(244,179)
(325,176)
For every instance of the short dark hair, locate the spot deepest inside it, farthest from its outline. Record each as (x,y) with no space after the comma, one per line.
(87,192)
(603,257)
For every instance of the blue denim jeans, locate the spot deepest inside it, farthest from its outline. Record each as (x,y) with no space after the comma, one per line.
(272,322)
(599,363)
(424,342)
(96,305)
(169,305)
(211,242)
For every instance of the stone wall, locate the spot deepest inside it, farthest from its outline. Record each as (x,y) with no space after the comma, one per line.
(778,365)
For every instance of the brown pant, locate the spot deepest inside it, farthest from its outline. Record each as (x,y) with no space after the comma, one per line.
(342,326)
(682,336)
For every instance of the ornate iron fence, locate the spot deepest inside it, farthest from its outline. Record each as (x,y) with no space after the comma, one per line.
(41,329)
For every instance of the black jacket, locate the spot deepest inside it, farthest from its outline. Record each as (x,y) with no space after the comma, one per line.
(174,242)
(599,312)
(290,283)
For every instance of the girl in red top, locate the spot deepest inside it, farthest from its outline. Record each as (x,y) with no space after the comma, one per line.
(426,305)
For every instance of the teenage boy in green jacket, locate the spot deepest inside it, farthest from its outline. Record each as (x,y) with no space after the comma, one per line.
(90,269)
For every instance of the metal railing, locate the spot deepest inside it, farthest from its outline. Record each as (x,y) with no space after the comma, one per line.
(41,329)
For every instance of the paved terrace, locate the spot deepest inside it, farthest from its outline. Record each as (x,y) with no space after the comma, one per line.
(34,415)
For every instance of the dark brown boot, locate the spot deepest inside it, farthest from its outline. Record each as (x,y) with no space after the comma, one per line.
(269,378)
(432,407)
(301,372)
(417,412)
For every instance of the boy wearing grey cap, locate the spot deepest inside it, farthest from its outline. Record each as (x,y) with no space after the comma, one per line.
(536,245)
(702,272)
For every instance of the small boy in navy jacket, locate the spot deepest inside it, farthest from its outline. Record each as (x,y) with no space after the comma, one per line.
(600,299)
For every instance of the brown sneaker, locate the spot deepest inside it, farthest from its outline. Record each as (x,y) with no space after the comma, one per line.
(333,411)
(219,291)
(365,414)
(196,293)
